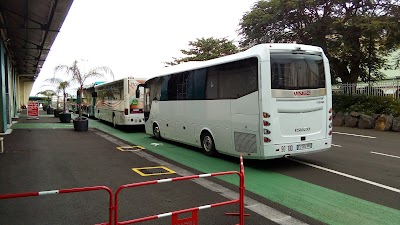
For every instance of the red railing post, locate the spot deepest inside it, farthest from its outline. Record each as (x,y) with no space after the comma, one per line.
(241,191)
(194,210)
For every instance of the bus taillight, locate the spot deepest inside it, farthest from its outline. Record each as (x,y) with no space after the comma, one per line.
(266,115)
(126,111)
(266,131)
(266,140)
(266,123)
(330,121)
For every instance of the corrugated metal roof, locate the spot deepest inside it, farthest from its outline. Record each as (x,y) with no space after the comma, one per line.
(29,28)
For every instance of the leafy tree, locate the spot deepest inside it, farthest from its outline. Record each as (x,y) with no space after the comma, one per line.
(396,61)
(355,34)
(206,48)
(81,77)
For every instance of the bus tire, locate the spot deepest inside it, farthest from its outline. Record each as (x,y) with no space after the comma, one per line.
(207,144)
(113,121)
(156,131)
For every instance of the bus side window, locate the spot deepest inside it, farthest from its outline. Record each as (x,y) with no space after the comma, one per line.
(155,87)
(212,83)
(196,84)
(164,88)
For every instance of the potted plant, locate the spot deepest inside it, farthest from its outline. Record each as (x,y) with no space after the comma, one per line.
(82,123)
(48,94)
(65,117)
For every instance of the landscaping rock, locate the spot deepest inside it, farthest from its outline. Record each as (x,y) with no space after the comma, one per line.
(396,124)
(338,120)
(355,114)
(350,121)
(384,123)
(366,122)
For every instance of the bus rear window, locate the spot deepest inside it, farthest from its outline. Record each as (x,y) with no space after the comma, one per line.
(297,71)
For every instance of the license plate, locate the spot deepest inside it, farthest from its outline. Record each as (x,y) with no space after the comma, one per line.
(304,146)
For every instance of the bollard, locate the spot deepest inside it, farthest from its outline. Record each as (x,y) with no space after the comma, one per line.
(1,145)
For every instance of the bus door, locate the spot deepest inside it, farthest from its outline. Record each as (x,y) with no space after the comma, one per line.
(146,99)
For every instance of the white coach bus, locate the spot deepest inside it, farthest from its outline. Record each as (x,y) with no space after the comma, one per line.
(88,100)
(117,103)
(269,101)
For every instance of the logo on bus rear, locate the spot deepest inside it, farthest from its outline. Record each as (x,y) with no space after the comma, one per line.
(302,93)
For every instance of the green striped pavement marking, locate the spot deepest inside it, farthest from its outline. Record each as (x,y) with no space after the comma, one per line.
(42,125)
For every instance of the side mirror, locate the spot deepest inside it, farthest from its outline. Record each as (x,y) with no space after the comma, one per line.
(137,92)
(94,94)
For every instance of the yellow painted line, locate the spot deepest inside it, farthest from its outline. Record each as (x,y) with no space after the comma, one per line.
(168,171)
(134,148)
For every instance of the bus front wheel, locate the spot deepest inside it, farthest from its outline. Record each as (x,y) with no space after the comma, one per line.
(207,144)
(113,121)
(156,132)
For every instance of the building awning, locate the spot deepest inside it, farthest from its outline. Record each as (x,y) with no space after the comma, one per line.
(29,28)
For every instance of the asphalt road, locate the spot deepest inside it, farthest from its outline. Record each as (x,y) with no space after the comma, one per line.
(364,163)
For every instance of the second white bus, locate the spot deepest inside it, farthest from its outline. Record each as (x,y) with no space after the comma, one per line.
(116,102)
(269,101)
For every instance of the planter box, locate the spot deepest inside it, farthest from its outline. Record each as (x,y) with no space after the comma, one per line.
(65,117)
(50,110)
(81,124)
(57,112)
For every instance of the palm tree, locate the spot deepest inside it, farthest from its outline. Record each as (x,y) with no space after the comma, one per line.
(48,94)
(80,78)
(61,86)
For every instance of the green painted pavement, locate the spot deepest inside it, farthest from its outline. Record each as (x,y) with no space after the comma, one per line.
(41,125)
(320,203)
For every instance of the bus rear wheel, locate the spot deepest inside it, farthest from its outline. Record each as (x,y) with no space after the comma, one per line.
(207,144)
(156,132)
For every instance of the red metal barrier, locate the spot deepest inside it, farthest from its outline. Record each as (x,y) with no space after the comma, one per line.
(194,211)
(64,191)
(113,205)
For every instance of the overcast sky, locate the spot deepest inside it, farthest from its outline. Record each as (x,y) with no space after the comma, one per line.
(134,38)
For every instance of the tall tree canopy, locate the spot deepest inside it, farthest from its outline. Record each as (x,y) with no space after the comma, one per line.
(206,48)
(356,35)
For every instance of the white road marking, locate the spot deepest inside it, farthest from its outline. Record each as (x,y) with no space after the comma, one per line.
(378,153)
(156,144)
(337,145)
(347,175)
(356,135)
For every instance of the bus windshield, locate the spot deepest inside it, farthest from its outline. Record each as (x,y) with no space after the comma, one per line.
(297,71)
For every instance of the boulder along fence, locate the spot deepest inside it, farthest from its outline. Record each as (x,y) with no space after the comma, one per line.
(379,122)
